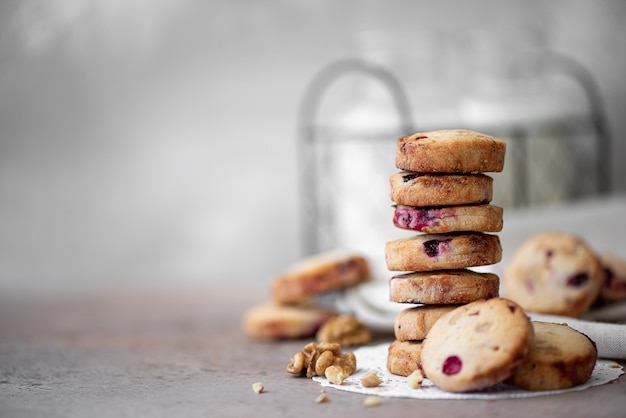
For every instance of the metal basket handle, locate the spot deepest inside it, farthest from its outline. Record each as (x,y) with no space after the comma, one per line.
(308,131)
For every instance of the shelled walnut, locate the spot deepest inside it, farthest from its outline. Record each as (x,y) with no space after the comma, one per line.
(345,330)
(316,358)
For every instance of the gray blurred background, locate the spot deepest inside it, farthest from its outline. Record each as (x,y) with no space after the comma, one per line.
(156,141)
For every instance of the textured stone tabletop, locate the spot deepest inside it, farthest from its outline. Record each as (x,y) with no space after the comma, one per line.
(181,352)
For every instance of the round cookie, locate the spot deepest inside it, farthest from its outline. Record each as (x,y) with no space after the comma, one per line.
(276,322)
(426,252)
(404,357)
(450,151)
(318,274)
(437,220)
(418,189)
(443,287)
(554,273)
(477,345)
(414,323)
(614,286)
(560,358)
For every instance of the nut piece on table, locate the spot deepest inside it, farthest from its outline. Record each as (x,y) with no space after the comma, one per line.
(371,380)
(316,358)
(371,401)
(257,387)
(415,379)
(345,330)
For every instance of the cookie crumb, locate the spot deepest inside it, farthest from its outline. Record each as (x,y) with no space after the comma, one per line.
(371,401)
(257,387)
(321,398)
(371,380)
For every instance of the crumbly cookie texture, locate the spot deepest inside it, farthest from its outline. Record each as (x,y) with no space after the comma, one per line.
(345,330)
(477,345)
(450,151)
(424,189)
(443,287)
(428,252)
(414,323)
(317,274)
(554,273)
(560,358)
(438,220)
(404,357)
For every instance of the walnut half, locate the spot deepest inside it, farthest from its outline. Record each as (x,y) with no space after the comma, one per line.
(317,358)
(345,330)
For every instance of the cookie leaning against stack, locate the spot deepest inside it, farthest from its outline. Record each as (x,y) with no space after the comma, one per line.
(294,310)
(443,195)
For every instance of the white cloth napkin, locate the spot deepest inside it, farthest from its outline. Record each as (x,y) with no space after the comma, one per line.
(370,303)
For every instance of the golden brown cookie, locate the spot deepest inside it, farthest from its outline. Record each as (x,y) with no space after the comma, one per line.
(318,274)
(443,287)
(450,151)
(276,322)
(426,252)
(419,189)
(414,323)
(404,357)
(614,286)
(438,220)
(554,273)
(560,358)
(477,345)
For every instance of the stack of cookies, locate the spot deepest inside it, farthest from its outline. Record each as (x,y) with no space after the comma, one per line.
(443,195)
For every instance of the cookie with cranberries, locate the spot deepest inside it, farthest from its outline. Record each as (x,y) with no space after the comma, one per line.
(425,189)
(455,250)
(554,273)
(442,287)
(435,220)
(319,274)
(560,358)
(270,321)
(450,151)
(477,345)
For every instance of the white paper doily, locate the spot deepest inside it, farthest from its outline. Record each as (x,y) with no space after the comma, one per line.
(375,358)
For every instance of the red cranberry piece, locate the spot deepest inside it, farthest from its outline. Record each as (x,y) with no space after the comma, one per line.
(452,365)
(578,280)
(415,219)
(421,137)
(433,247)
